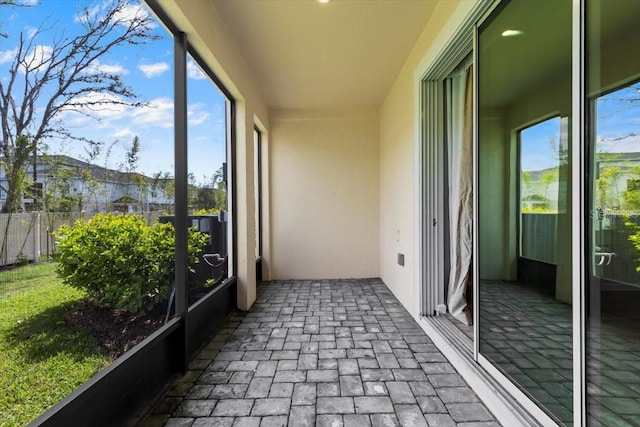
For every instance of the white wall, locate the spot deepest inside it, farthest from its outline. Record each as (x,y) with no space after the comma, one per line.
(324,194)
(398,121)
(497,251)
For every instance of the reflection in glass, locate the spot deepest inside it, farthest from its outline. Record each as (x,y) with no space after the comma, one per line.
(613,290)
(539,167)
(524,102)
(207,176)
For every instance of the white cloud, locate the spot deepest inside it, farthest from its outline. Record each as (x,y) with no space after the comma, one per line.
(89,13)
(125,16)
(123,133)
(194,72)
(628,144)
(196,114)
(99,105)
(197,118)
(131,13)
(158,113)
(75,120)
(37,57)
(8,55)
(153,70)
(31,32)
(96,67)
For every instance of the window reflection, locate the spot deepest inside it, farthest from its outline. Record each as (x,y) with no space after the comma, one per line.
(525,327)
(614,324)
(613,328)
(539,165)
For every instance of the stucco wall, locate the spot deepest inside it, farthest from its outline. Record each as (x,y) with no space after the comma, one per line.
(324,194)
(398,124)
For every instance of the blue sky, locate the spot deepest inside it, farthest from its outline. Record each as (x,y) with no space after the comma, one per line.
(149,71)
(617,128)
(618,120)
(539,145)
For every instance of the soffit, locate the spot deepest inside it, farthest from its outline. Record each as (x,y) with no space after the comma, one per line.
(307,55)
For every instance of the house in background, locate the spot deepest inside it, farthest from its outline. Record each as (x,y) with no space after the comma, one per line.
(66,184)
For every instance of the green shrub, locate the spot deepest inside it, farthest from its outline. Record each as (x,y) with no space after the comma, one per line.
(205,211)
(120,261)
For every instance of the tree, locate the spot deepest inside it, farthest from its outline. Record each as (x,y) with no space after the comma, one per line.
(45,81)
(210,197)
(131,179)
(607,180)
(631,195)
(220,188)
(163,186)
(9,3)
(549,177)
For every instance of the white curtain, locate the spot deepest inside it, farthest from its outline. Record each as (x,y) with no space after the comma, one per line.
(460,159)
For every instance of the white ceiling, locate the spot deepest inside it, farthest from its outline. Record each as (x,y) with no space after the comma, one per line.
(341,55)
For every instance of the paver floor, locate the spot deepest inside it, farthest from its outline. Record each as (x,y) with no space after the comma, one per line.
(323,353)
(528,335)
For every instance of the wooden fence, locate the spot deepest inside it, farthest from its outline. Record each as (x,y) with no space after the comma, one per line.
(30,236)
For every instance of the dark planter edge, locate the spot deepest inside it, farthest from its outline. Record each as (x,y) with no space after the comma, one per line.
(125,391)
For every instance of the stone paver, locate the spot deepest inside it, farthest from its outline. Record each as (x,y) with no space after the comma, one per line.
(335,405)
(322,353)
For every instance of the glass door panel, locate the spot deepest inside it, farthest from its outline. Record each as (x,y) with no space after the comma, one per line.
(525,314)
(613,285)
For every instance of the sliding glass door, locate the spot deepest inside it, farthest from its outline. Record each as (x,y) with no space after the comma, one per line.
(556,198)
(613,217)
(524,204)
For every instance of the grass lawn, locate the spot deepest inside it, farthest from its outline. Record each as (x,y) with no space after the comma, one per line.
(42,359)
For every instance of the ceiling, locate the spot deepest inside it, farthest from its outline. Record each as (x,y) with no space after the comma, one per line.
(342,55)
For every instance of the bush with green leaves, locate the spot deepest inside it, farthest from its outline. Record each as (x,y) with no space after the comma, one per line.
(120,261)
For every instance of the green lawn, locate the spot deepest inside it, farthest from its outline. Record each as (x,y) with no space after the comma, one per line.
(42,359)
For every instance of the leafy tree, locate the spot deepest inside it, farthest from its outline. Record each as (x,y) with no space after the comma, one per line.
(163,185)
(632,193)
(220,189)
(548,178)
(525,178)
(89,181)
(607,181)
(45,80)
(61,194)
(131,179)
(210,197)
(13,166)
(205,199)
